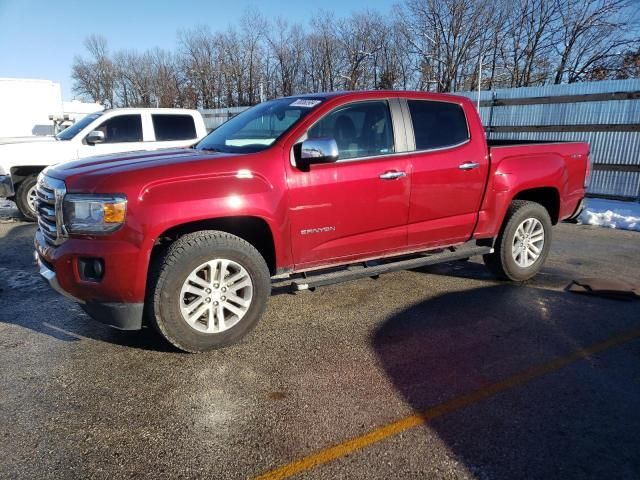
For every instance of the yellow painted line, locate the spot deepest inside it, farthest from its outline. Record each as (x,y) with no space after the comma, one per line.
(377,435)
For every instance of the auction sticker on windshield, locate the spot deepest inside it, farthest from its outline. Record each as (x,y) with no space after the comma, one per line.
(305,103)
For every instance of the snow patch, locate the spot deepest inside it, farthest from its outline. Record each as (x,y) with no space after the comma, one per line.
(612,214)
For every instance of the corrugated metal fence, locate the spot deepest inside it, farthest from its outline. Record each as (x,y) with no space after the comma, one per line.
(605,114)
(215,117)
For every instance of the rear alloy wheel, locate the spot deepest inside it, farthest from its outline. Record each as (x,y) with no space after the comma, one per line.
(528,242)
(26,198)
(207,291)
(523,243)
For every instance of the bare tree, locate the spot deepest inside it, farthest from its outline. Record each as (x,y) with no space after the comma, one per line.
(200,53)
(361,37)
(423,45)
(446,34)
(590,32)
(95,77)
(286,47)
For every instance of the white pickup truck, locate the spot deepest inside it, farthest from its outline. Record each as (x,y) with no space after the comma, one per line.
(100,133)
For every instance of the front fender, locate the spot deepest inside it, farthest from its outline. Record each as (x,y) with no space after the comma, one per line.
(161,206)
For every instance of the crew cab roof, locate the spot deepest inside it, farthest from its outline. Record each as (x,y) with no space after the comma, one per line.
(152,110)
(382,94)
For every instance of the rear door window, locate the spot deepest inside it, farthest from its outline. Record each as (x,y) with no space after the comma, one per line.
(173,127)
(437,124)
(121,129)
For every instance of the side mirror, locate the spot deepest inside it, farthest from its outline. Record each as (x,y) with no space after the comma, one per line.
(94,137)
(318,150)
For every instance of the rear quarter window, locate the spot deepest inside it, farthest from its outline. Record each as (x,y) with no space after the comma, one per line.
(437,124)
(173,127)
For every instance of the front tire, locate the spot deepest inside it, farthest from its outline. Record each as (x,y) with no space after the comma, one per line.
(523,243)
(26,197)
(207,291)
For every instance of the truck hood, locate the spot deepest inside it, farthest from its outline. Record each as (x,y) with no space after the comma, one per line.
(107,171)
(41,152)
(29,139)
(124,163)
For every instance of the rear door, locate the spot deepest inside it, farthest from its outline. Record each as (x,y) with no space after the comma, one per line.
(450,168)
(358,206)
(172,130)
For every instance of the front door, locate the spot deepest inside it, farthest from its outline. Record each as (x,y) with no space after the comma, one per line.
(122,133)
(357,207)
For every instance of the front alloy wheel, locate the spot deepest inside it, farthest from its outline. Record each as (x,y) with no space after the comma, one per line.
(208,290)
(216,296)
(26,197)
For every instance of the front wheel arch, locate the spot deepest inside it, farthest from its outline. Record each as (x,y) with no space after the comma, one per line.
(253,230)
(25,196)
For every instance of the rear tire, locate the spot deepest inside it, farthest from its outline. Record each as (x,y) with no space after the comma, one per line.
(523,243)
(207,291)
(25,196)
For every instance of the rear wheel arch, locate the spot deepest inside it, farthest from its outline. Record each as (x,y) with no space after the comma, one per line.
(548,197)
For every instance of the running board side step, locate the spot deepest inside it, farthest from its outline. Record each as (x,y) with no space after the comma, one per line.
(320,280)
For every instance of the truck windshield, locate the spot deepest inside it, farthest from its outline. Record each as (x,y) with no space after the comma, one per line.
(71,131)
(259,127)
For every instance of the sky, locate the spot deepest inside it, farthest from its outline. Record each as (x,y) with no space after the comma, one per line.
(38,39)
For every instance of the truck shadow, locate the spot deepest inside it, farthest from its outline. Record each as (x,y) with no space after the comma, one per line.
(579,421)
(548,277)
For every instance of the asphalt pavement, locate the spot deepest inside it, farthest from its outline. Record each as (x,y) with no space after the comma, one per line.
(435,373)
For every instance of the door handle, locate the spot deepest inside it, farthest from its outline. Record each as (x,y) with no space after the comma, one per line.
(468,165)
(392,175)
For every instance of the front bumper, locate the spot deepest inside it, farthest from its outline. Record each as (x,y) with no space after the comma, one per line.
(117,314)
(52,279)
(6,186)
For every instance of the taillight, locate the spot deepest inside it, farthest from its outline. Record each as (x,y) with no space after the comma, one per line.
(587,176)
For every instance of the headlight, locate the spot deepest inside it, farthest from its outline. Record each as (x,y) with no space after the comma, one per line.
(94,214)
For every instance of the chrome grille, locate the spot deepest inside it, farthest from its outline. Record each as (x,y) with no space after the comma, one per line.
(50,193)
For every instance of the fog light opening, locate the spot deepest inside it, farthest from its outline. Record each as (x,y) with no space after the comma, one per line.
(91,269)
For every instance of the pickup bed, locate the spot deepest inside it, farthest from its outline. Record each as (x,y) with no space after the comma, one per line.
(112,131)
(306,190)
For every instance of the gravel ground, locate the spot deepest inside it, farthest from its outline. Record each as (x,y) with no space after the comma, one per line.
(79,400)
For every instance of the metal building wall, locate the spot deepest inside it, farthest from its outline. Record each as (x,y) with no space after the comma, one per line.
(605,114)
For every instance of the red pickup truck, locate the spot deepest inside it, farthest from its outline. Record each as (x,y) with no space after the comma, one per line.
(311,190)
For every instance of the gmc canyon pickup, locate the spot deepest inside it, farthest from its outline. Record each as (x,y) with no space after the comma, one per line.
(310,190)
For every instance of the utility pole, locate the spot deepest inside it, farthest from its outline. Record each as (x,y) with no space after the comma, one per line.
(479,79)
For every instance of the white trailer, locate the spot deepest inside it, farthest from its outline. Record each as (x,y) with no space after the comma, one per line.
(29,107)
